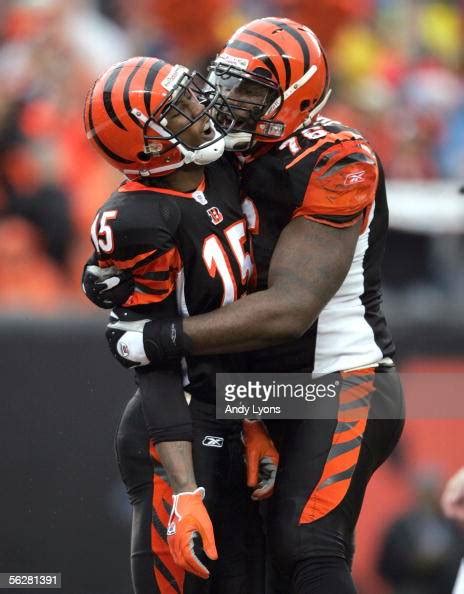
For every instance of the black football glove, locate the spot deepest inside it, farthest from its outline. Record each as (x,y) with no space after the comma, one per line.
(107,287)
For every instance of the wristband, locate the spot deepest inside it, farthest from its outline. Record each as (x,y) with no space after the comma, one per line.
(164,340)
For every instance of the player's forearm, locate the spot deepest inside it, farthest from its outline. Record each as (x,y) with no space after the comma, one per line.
(256,321)
(176,458)
(169,424)
(308,266)
(164,407)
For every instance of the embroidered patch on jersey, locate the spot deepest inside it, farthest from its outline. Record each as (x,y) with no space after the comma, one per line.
(354,178)
(215,215)
(213,442)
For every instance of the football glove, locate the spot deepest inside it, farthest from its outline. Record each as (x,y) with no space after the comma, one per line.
(107,287)
(261,459)
(189,520)
(125,339)
(139,342)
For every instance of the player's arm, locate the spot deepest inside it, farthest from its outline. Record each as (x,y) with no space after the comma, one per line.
(106,287)
(311,258)
(310,261)
(136,239)
(309,264)
(140,240)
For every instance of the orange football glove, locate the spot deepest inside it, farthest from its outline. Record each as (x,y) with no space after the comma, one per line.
(188,520)
(261,459)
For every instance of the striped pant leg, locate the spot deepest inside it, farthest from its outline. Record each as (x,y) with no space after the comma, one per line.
(153,570)
(325,467)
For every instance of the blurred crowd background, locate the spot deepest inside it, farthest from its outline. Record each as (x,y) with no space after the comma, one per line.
(397,69)
(397,76)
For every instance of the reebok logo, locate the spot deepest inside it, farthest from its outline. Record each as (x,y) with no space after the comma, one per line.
(171,529)
(213,442)
(354,178)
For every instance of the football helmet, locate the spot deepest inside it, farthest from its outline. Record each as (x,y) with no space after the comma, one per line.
(127,111)
(273,73)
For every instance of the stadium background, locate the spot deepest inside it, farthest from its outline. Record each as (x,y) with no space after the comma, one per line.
(397,75)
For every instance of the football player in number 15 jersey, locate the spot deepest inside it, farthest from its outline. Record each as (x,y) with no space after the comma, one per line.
(174,231)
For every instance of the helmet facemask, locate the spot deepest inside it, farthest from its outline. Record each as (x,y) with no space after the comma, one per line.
(159,139)
(254,99)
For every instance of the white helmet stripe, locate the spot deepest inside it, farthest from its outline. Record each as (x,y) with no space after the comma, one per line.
(289,92)
(300,82)
(143,118)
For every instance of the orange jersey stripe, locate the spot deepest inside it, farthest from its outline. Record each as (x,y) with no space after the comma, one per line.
(332,223)
(144,299)
(156,285)
(309,150)
(133,186)
(170,260)
(125,264)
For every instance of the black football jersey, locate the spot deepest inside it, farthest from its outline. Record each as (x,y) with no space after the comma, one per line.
(327,173)
(189,253)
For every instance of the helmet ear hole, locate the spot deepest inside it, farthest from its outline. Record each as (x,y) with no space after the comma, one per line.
(304,105)
(143,156)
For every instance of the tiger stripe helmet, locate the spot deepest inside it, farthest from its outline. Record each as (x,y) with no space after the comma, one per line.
(287,61)
(124,116)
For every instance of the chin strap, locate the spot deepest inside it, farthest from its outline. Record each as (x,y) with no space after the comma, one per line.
(239,141)
(206,155)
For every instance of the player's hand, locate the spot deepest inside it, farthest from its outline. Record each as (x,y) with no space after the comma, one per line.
(107,287)
(189,520)
(125,339)
(452,500)
(136,342)
(261,459)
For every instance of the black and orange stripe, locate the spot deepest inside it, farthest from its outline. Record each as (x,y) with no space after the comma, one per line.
(169,577)
(332,487)
(150,81)
(127,88)
(279,50)
(155,279)
(286,49)
(257,53)
(108,117)
(154,274)
(94,135)
(293,32)
(107,97)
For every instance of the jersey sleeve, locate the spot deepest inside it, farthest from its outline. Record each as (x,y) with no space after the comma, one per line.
(137,234)
(341,186)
